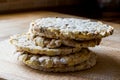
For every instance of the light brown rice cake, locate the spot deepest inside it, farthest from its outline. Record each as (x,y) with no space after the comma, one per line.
(55,43)
(55,61)
(73,62)
(24,44)
(69,28)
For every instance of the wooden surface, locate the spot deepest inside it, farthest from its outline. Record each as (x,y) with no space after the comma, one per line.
(107,67)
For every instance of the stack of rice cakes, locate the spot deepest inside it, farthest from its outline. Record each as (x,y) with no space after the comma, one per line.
(60,44)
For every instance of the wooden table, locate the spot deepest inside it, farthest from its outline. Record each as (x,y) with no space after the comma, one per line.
(107,68)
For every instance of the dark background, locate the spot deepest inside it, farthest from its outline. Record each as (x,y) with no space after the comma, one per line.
(108,10)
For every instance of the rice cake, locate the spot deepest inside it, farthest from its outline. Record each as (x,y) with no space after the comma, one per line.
(70,28)
(55,61)
(49,64)
(24,44)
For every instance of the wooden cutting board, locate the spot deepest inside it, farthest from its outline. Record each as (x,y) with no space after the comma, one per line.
(108,62)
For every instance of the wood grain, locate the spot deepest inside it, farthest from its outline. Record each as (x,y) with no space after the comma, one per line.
(107,67)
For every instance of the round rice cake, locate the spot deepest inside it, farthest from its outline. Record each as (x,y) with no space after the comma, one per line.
(24,44)
(55,61)
(55,43)
(70,28)
(49,64)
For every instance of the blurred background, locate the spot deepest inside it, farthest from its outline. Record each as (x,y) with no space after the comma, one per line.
(108,10)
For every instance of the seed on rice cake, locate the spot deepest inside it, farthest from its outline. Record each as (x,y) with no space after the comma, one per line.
(70,28)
